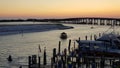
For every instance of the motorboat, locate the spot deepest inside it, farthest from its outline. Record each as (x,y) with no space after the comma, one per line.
(63,35)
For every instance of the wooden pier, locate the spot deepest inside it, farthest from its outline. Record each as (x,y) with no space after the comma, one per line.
(89,21)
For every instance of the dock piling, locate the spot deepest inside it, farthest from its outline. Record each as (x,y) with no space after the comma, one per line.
(69,45)
(59,47)
(54,55)
(86,37)
(29,62)
(45,56)
(39,62)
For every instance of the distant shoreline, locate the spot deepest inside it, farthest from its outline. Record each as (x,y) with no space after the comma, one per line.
(29,28)
(27,24)
(24,20)
(54,20)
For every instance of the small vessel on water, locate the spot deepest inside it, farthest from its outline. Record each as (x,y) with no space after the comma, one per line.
(92,27)
(63,35)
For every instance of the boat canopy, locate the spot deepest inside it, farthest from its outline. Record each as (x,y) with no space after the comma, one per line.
(108,37)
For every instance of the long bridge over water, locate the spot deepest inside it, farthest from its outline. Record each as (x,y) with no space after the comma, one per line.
(87,20)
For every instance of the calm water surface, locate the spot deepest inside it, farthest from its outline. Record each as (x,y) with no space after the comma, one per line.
(20,46)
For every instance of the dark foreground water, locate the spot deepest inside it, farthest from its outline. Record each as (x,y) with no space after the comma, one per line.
(22,45)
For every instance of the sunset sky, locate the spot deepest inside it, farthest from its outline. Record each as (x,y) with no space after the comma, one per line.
(10,9)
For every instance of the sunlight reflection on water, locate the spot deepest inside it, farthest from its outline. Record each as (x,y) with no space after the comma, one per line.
(20,47)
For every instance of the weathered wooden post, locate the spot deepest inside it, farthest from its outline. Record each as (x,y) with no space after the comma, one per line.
(65,53)
(65,58)
(39,63)
(86,37)
(59,47)
(29,62)
(54,54)
(44,59)
(69,45)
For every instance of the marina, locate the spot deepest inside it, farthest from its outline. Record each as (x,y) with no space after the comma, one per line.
(21,46)
(59,33)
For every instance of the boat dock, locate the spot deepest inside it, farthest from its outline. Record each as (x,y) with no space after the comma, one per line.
(73,57)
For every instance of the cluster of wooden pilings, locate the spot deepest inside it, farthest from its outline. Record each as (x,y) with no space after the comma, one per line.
(34,61)
(72,57)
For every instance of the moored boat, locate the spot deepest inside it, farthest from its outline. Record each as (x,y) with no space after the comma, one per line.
(108,45)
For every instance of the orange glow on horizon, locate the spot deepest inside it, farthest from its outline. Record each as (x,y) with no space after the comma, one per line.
(59,9)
